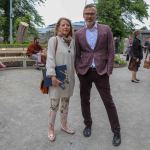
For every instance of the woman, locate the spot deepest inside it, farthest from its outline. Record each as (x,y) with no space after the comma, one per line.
(136,56)
(63,55)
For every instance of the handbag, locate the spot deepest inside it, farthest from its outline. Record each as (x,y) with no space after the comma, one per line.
(43,89)
(146,62)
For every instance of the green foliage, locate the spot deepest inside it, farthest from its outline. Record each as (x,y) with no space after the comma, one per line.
(119,60)
(119,14)
(23,10)
(17,45)
(121,46)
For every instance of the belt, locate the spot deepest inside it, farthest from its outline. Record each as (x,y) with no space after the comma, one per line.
(92,69)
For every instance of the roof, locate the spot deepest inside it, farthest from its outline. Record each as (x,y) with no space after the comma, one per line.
(76,26)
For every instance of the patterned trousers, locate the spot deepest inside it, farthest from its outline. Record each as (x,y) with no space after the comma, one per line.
(54,106)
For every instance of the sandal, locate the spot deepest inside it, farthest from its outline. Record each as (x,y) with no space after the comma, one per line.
(51,133)
(67,130)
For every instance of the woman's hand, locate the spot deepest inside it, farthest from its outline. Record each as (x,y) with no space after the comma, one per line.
(55,81)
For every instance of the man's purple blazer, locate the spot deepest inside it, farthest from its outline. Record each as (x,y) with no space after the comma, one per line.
(103,52)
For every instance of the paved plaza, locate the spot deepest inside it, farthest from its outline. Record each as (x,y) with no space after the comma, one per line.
(24,114)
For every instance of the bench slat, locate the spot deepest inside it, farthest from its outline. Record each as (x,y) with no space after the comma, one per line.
(17,59)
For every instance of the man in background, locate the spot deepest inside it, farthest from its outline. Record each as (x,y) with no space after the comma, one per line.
(36,52)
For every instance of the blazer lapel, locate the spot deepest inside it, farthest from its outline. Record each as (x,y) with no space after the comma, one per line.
(84,39)
(98,36)
(99,39)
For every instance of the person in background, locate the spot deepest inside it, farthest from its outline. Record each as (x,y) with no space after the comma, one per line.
(2,65)
(136,56)
(148,47)
(94,64)
(36,52)
(129,46)
(146,44)
(116,43)
(63,55)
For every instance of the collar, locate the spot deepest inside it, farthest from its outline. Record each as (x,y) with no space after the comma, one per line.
(93,28)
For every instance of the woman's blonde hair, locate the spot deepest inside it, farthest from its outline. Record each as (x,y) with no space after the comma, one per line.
(58,25)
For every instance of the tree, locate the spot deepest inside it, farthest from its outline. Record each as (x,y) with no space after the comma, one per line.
(23,10)
(120,14)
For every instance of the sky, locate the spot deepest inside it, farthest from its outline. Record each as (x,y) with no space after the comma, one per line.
(52,10)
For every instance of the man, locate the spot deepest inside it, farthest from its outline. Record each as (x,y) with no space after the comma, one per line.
(146,45)
(36,52)
(94,63)
(116,41)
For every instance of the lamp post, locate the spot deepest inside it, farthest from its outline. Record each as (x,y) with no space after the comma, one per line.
(95,1)
(85,2)
(10,25)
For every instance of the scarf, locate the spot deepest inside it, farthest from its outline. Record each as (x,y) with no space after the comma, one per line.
(67,40)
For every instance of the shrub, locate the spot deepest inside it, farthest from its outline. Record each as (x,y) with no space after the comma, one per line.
(119,60)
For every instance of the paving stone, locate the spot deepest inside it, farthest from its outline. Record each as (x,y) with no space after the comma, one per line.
(24,114)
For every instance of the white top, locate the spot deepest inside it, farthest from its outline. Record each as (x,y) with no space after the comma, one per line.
(91,36)
(65,55)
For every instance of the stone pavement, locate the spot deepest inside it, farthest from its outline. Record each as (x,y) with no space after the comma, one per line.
(24,114)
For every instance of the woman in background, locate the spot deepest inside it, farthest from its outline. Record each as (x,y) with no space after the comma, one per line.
(136,55)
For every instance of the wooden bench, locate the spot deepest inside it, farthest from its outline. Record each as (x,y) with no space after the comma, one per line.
(12,52)
(11,59)
(13,55)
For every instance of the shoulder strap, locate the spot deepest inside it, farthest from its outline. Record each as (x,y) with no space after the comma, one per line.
(56,45)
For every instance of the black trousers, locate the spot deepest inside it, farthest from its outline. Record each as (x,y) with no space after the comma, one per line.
(102,84)
(127,57)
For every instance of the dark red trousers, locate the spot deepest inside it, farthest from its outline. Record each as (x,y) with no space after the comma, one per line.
(102,84)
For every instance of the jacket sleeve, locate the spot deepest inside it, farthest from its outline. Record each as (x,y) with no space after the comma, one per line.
(111,52)
(51,62)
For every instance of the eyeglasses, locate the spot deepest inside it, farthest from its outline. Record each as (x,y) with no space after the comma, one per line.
(89,14)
